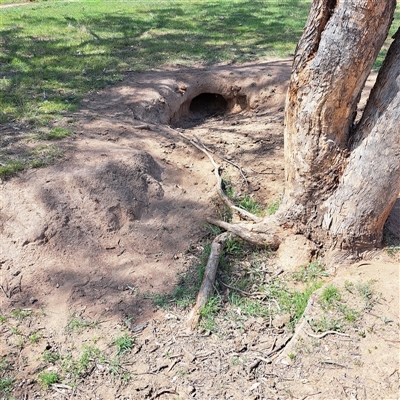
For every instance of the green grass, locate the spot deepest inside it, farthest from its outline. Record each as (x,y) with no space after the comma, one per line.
(313,271)
(330,296)
(79,324)
(48,378)
(124,344)
(273,207)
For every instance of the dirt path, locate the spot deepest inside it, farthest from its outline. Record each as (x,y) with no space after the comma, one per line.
(121,218)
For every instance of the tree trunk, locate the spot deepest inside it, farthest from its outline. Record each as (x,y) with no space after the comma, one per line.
(341,179)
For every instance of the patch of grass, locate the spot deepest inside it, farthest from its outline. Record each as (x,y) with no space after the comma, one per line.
(245,202)
(6,379)
(249,204)
(48,378)
(6,385)
(35,337)
(248,307)
(57,133)
(311,272)
(207,314)
(51,357)
(329,296)
(233,246)
(124,344)
(3,318)
(273,207)
(366,291)
(20,314)
(327,323)
(79,324)
(350,315)
(11,167)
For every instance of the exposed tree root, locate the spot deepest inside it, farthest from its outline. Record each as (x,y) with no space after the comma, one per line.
(217,168)
(266,234)
(207,286)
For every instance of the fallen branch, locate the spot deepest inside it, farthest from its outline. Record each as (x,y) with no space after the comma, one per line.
(207,286)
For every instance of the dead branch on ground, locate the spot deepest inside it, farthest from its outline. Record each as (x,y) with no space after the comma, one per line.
(207,286)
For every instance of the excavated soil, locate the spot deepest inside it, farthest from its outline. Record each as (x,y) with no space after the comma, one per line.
(117,221)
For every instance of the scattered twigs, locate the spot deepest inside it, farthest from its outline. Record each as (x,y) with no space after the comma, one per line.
(273,344)
(207,286)
(310,395)
(217,174)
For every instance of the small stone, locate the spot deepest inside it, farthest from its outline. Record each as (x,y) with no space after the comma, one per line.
(190,389)
(33,300)
(57,285)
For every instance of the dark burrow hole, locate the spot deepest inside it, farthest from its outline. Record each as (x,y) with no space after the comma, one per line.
(203,106)
(208,104)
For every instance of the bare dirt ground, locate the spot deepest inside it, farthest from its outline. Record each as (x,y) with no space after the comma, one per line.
(96,236)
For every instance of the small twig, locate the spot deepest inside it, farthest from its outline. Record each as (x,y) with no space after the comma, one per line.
(207,286)
(273,344)
(322,335)
(280,347)
(309,395)
(5,293)
(333,363)
(143,127)
(234,288)
(262,172)
(163,391)
(173,365)
(254,365)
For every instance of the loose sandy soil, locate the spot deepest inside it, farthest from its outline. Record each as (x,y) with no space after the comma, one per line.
(121,217)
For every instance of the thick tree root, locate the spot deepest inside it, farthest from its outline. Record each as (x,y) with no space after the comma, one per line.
(265,234)
(207,286)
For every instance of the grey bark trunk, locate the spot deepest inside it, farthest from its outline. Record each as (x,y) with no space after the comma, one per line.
(341,182)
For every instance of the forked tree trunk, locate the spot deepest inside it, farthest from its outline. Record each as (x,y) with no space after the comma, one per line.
(342,179)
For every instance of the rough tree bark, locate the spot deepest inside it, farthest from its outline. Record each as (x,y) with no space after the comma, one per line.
(342,178)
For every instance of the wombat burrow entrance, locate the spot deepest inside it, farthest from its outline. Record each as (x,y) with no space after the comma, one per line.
(207,105)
